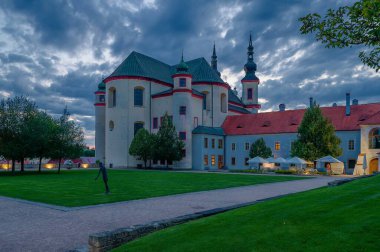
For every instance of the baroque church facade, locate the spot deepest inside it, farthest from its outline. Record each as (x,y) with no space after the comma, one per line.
(216,125)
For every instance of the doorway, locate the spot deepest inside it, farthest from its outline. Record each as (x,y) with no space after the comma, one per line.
(220,161)
(373,165)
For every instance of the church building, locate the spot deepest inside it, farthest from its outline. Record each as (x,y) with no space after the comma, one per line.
(216,125)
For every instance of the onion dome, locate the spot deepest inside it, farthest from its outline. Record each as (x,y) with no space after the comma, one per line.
(182,67)
(102,86)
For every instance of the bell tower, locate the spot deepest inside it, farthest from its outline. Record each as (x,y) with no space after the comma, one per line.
(250,82)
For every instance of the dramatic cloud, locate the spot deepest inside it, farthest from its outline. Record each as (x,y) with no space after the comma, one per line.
(56,52)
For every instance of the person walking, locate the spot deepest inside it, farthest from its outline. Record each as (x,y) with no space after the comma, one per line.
(103,170)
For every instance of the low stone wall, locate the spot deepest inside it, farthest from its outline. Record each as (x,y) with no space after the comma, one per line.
(105,241)
(344,181)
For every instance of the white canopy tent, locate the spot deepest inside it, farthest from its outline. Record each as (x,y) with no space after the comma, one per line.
(256,161)
(336,166)
(282,161)
(297,162)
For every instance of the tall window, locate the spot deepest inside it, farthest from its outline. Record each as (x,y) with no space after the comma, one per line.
(223,103)
(277,145)
(212,160)
(233,146)
(155,123)
(246,146)
(111,125)
(205,142)
(250,94)
(205,160)
(139,96)
(102,98)
(351,144)
(138,125)
(213,143)
(220,143)
(182,135)
(182,110)
(206,100)
(195,122)
(374,138)
(233,161)
(182,82)
(111,97)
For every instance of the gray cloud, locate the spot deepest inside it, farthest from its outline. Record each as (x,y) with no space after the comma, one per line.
(57,51)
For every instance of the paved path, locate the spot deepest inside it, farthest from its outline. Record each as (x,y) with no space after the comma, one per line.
(26,226)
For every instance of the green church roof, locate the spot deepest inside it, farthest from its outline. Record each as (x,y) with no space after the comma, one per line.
(209,130)
(137,64)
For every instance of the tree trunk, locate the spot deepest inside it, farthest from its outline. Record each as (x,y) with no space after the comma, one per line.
(39,165)
(145,163)
(13,166)
(59,165)
(22,165)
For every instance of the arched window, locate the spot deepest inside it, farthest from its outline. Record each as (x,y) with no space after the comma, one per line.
(206,100)
(138,125)
(111,125)
(374,138)
(139,96)
(111,97)
(223,103)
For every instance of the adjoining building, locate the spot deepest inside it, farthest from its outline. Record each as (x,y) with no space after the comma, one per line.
(216,125)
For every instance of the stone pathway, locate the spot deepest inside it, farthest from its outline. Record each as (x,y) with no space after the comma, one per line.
(26,226)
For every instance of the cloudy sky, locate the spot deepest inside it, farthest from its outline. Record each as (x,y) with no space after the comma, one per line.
(56,52)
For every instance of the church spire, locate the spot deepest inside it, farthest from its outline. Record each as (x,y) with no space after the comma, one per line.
(214,61)
(182,66)
(250,49)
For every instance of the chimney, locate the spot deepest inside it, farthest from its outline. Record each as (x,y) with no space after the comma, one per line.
(311,102)
(348,108)
(282,107)
(355,102)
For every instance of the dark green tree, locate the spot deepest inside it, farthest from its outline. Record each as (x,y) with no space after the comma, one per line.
(167,145)
(347,26)
(87,152)
(259,148)
(68,139)
(15,114)
(39,131)
(142,146)
(316,137)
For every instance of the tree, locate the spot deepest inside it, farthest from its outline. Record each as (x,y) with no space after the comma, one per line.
(142,146)
(358,24)
(68,139)
(15,114)
(259,149)
(87,152)
(316,137)
(167,145)
(39,132)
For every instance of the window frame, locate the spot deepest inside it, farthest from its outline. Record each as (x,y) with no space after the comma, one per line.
(277,145)
(249,93)
(205,160)
(233,146)
(205,143)
(351,144)
(182,110)
(233,161)
(213,160)
(246,146)
(134,126)
(182,135)
(182,82)
(155,122)
(212,143)
(135,100)
(220,143)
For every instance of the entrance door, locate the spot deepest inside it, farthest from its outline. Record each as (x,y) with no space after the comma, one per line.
(220,161)
(373,165)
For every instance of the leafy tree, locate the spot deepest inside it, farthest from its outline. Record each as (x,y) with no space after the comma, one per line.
(39,131)
(259,148)
(142,145)
(316,137)
(358,24)
(167,145)
(15,114)
(68,139)
(87,152)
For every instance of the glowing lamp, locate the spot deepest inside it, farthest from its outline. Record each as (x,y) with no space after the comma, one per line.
(49,166)
(85,166)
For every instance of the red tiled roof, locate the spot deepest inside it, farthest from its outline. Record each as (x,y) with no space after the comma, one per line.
(289,120)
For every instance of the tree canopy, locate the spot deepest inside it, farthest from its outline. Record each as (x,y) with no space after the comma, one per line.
(347,26)
(259,149)
(26,132)
(167,145)
(316,137)
(142,145)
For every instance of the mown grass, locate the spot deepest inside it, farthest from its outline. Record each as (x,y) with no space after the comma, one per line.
(344,218)
(78,187)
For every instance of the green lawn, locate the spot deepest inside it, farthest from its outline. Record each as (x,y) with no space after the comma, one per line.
(78,188)
(344,218)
